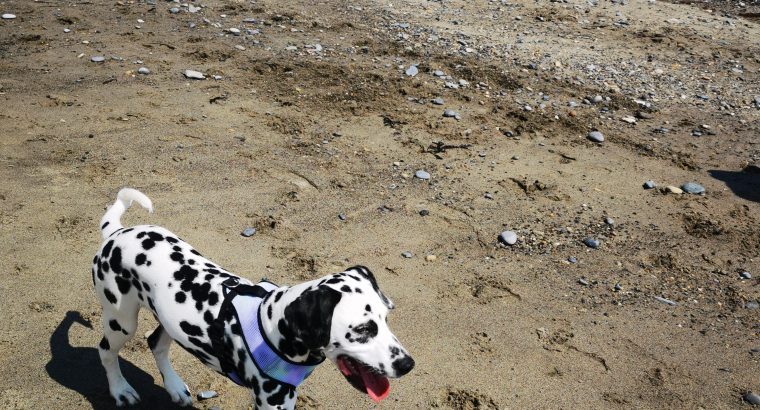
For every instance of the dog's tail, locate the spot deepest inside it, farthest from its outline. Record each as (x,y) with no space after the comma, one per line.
(111,221)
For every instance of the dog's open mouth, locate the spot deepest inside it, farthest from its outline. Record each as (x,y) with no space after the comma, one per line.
(364,378)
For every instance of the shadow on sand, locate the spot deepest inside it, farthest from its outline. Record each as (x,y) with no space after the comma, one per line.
(743,183)
(79,369)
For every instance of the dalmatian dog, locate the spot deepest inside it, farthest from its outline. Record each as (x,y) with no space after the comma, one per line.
(264,337)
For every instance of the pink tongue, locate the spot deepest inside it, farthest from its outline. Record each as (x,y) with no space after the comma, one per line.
(377,386)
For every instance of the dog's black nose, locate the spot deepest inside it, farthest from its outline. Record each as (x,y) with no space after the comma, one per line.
(403,366)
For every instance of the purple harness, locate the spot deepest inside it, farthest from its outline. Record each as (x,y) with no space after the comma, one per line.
(247,309)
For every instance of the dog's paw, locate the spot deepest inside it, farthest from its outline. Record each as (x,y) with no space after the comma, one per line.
(124,394)
(178,391)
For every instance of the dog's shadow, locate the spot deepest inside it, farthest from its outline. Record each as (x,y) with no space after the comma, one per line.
(745,184)
(79,369)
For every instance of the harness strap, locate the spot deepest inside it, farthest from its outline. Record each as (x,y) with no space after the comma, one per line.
(245,300)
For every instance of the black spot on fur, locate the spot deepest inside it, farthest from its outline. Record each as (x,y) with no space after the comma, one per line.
(203,345)
(171,239)
(176,249)
(269,386)
(346,289)
(191,261)
(104,344)
(150,304)
(140,259)
(208,317)
(213,298)
(194,252)
(104,266)
(114,325)
(148,244)
(128,230)
(177,257)
(368,308)
(156,237)
(306,323)
(123,284)
(110,296)
(146,286)
(106,249)
(279,396)
(116,260)
(180,297)
(277,296)
(191,330)
(141,235)
(104,225)
(269,312)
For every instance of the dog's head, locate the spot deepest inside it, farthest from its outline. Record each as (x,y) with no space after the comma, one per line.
(343,317)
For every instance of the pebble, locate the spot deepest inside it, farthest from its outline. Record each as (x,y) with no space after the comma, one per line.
(693,188)
(437,101)
(412,71)
(572,259)
(591,243)
(195,75)
(596,136)
(407,254)
(439,73)
(629,119)
(583,282)
(752,305)
(342,217)
(207,394)
(143,70)
(665,301)
(248,232)
(67,30)
(239,47)
(431,258)
(673,190)
(745,275)
(234,31)
(422,174)
(174,10)
(9,16)
(424,212)
(609,221)
(649,184)
(97,59)
(752,398)
(508,238)
(451,114)
(597,99)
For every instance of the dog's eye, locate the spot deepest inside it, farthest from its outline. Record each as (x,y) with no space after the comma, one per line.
(369,328)
(362,329)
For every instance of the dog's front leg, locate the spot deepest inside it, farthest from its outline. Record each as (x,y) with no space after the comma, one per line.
(274,396)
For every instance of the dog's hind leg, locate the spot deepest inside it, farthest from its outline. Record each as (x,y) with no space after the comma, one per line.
(119,325)
(159,342)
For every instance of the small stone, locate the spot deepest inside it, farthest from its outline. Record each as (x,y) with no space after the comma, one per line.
(431,258)
(752,305)
(693,188)
(192,9)
(591,243)
(745,275)
(9,16)
(174,10)
(437,101)
(572,259)
(424,212)
(439,73)
(66,30)
(649,184)
(609,221)
(143,70)
(508,238)
(97,59)
(629,119)
(248,232)
(207,394)
(488,195)
(583,282)
(412,71)
(291,48)
(234,31)
(451,114)
(673,190)
(422,174)
(752,398)
(239,47)
(597,99)
(596,136)
(665,301)
(617,287)
(407,254)
(195,75)
(342,217)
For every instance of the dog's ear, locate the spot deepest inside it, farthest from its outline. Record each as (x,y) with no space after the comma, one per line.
(307,321)
(364,271)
